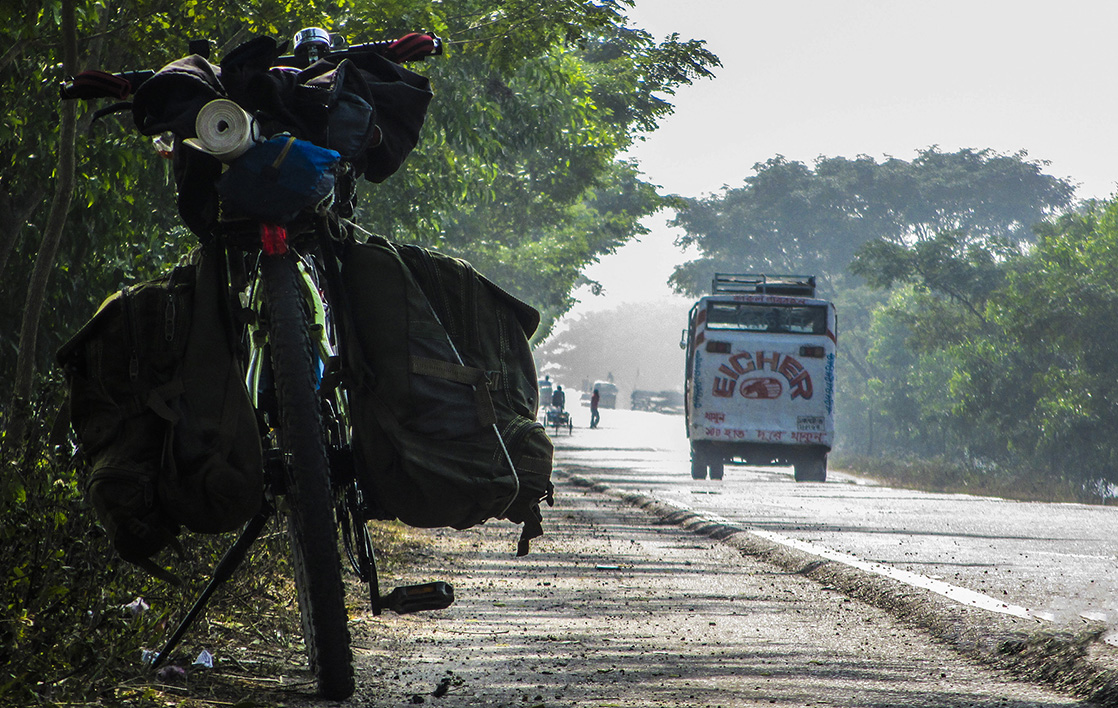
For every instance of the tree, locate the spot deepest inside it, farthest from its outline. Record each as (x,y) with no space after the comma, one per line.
(936,316)
(520,166)
(1050,377)
(1004,357)
(788,217)
(949,262)
(44,259)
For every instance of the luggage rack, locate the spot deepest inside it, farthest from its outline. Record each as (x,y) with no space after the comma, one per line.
(761,284)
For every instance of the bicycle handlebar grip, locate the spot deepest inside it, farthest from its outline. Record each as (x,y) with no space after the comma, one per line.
(101,84)
(415,45)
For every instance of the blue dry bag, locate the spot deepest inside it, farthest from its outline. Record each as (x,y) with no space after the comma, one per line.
(276,179)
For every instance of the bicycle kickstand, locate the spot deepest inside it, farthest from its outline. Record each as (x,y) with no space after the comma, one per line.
(224,570)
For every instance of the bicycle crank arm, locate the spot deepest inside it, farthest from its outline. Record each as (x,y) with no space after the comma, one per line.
(418,598)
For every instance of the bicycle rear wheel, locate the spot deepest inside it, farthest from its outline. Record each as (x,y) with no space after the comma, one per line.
(310,513)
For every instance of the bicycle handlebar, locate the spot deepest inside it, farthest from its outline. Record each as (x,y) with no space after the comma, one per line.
(385,48)
(100,84)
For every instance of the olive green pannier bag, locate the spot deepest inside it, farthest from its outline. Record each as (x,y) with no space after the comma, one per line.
(162,415)
(442,388)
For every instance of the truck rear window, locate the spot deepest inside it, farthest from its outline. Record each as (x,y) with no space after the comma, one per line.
(778,319)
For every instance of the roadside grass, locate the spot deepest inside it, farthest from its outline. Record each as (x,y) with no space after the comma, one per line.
(75,619)
(939,475)
(252,629)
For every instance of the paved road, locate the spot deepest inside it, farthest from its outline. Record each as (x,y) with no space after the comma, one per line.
(1051,561)
(614,608)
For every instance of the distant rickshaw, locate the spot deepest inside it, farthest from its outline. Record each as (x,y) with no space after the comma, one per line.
(558,418)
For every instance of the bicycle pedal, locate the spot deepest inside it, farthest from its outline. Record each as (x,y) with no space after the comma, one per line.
(417,598)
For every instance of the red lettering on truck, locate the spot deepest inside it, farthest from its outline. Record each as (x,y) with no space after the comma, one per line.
(799,380)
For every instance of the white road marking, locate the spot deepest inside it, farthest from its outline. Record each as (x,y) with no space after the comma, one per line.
(952,592)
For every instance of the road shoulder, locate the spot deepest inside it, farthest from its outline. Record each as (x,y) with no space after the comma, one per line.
(1076,663)
(618,607)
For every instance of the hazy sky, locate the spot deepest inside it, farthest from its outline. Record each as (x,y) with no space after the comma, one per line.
(804,78)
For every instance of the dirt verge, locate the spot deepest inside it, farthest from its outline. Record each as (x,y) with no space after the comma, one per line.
(1077,663)
(617,607)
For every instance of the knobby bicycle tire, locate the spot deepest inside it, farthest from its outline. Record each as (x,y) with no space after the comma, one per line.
(311,524)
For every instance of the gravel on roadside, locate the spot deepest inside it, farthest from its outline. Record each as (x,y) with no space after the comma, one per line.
(617,606)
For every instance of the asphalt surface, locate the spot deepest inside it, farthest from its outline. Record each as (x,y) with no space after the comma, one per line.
(639,596)
(622,606)
(1054,562)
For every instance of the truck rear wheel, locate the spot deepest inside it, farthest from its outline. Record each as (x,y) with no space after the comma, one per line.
(716,467)
(811,469)
(698,469)
(698,464)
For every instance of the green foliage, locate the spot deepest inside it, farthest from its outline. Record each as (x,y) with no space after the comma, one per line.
(949,262)
(518,168)
(789,217)
(1002,356)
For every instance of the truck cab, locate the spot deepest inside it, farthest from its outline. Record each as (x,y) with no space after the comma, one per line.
(760,375)
(607,392)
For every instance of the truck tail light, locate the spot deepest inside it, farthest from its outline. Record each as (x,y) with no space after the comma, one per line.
(718,347)
(811,352)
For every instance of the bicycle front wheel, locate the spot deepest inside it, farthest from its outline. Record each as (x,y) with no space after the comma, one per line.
(309,501)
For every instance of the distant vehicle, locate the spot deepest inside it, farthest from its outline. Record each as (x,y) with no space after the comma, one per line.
(546,389)
(607,392)
(760,374)
(656,401)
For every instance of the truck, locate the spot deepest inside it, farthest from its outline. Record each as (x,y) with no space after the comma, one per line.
(656,401)
(760,375)
(607,393)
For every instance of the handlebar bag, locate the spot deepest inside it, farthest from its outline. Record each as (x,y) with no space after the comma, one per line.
(162,415)
(275,180)
(170,100)
(368,109)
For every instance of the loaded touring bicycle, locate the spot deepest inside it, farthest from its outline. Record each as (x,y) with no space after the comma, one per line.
(288,371)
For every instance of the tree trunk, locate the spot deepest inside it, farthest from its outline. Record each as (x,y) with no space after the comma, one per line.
(48,249)
(13,220)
